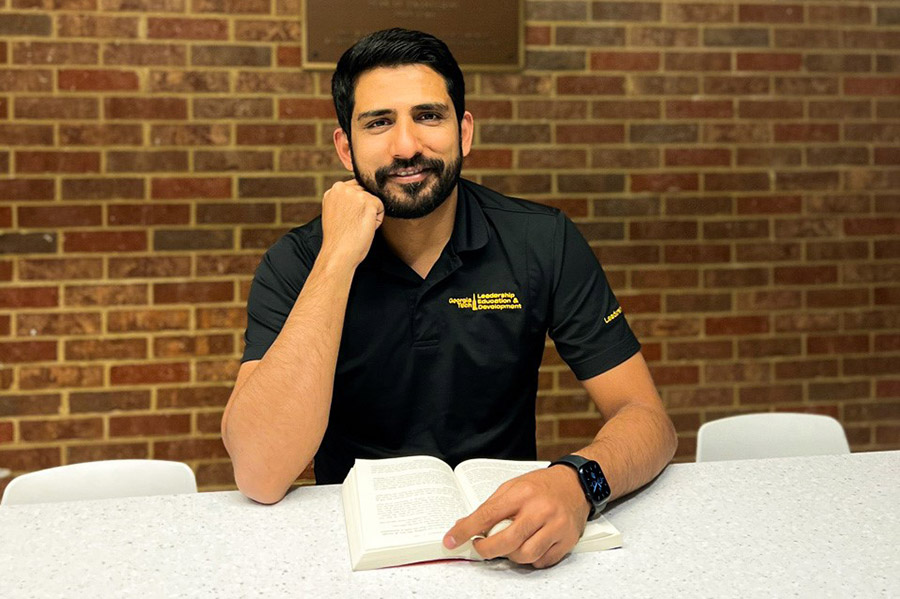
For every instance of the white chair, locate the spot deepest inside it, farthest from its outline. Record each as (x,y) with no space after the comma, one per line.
(770,435)
(101,480)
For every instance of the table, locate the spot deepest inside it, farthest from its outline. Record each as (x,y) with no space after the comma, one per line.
(792,527)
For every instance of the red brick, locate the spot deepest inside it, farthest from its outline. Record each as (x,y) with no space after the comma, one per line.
(805,275)
(154,425)
(76,454)
(736,277)
(58,430)
(760,61)
(770,394)
(737,325)
(25,80)
(29,297)
(141,54)
(189,29)
(91,26)
(664,36)
(696,254)
(768,13)
(149,373)
(699,12)
(620,110)
(706,109)
(148,320)
(552,109)
(697,61)
(104,188)
(840,15)
(221,318)
(770,109)
(289,56)
(26,189)
(30,459)
(552,158)
(47,53)
(108,401)
(189,449)
(306,108)
(837,344)
(275,134)
(698,157)
(746,181)
(57,162)
(57,377)
(105,295)
(590,133)
(871,366)
(56,108)
(625,61)
(173,293)
(871,226)
(26,135)
(737,84)
(106,349)
(149,267)
(233,160)
(59,216)
(101,135)
(590,85)
(781,299)
(106,241)
(97,80)
(191,188)
(28,351)
(806,132)
(131,214)
(699,350)
(136,108)
(774,156)
(664,182)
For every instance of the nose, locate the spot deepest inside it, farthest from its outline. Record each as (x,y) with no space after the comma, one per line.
(404,142)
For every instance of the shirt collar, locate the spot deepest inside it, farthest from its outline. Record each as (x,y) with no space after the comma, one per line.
(470,227)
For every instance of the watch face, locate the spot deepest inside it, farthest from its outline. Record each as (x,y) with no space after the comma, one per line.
(595,482)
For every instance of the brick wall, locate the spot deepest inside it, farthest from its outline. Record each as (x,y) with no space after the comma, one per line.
(735,166)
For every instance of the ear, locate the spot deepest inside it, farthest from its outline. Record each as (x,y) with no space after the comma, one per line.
(342,145)
(466,132)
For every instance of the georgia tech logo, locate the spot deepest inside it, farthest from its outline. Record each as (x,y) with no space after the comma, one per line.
(505,300)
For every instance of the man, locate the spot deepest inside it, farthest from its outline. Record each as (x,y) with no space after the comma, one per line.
(411,318)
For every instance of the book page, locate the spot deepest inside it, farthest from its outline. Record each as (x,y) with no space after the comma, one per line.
(479,478)
(407,500)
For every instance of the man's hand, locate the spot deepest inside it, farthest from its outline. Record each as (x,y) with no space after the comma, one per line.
(548,509)
(350,217)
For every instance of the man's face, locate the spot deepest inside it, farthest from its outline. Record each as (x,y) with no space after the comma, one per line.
(407,144)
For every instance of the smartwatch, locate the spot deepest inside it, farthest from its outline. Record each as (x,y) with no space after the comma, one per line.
(592,480)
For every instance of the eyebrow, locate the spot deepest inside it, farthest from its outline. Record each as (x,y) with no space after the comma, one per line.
(435,106)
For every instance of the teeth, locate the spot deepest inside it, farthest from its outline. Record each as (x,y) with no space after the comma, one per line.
(406,173)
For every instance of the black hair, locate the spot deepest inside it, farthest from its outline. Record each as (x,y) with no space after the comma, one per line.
(393,48)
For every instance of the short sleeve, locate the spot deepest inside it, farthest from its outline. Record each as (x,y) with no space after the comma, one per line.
(276,284)
(586,321)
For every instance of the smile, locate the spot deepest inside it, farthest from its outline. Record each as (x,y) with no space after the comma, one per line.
(409,175)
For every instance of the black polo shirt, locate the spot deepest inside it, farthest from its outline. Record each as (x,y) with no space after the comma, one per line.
(448,365)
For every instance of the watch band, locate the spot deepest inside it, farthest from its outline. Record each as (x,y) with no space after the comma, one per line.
(577,463)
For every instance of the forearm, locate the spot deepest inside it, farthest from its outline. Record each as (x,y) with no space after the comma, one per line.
(633,447)
(276,419)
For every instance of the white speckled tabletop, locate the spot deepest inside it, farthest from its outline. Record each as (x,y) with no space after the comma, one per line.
(796,527)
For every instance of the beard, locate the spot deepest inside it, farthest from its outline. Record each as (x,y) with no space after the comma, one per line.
(414,200)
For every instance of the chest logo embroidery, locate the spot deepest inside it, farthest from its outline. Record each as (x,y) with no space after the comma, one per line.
(505,300)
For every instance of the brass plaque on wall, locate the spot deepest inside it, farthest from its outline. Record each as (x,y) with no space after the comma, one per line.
(482,34)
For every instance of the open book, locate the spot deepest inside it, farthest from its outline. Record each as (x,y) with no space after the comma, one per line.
(399,509)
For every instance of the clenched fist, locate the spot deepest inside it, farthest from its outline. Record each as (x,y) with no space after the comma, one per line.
(350,217)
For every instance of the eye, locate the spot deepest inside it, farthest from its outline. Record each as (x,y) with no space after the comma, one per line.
(430,116)
(378,123)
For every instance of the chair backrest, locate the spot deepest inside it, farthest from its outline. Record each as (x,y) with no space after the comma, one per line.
(770,435)
(100,480)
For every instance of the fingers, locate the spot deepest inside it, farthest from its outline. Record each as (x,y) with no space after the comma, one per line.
(478,522)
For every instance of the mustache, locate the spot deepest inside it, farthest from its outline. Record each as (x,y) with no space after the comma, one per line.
(417,161)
